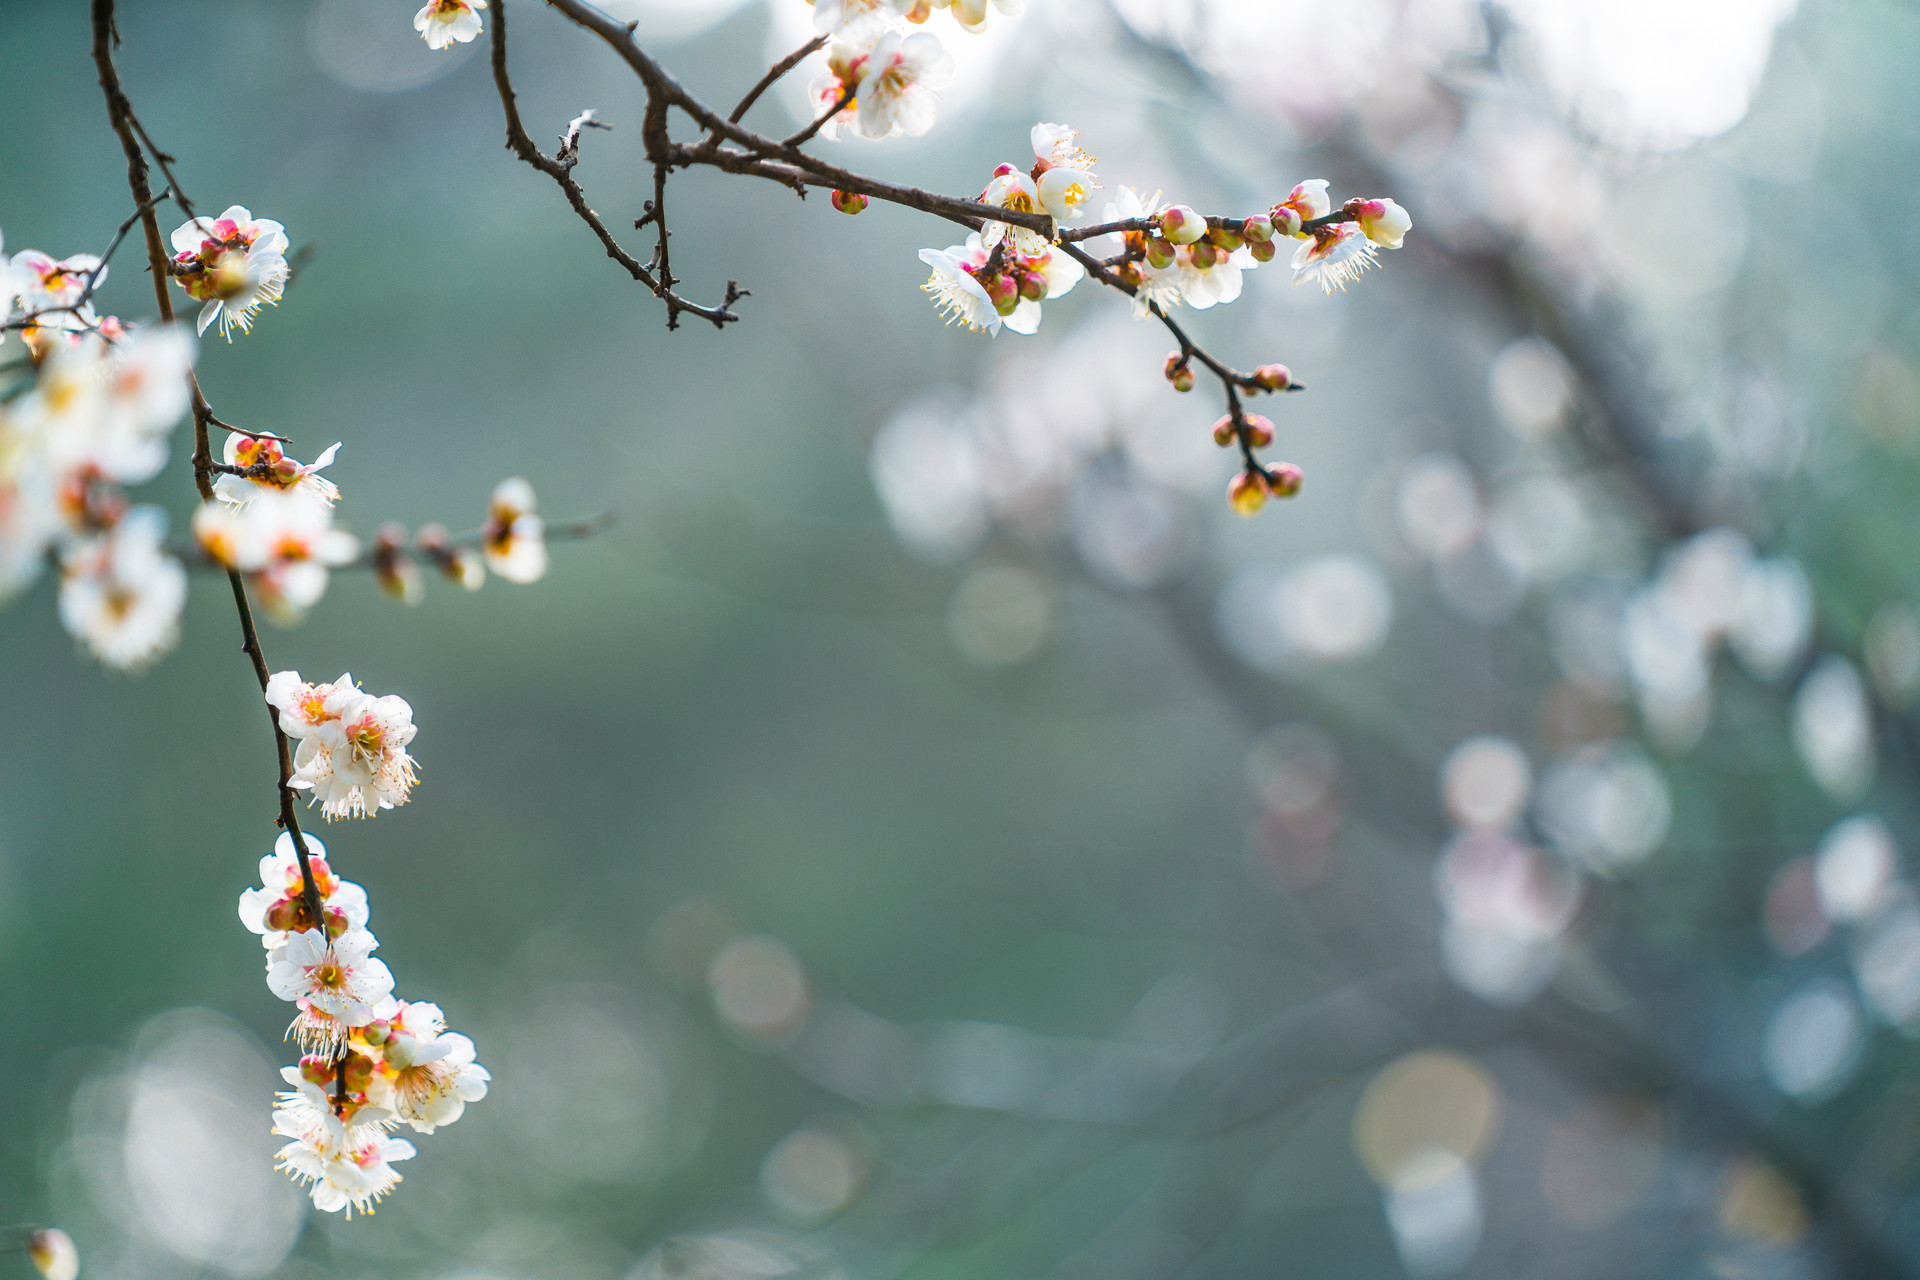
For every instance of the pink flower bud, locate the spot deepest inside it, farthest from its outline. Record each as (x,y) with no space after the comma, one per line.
(284,915)
(1272,377)
(1259,431)
(1262,250)
(1225,239)
(1247,492)
(1384,222)
(1205,255)
(315,1069)
(1033,286)
(1259,229)
(1003,293)
(1159,253)
(1002,170)
(1181,224)
(377,1032)
(1285,479)
(1286,221)
(358,1070)
(1179,372)
(336,921)
(848,201)
(1223,432)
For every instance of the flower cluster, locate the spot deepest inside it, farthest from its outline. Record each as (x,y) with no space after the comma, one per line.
(272,519)
(372,1062)
(353,746)
(883,79)
(234,263)
(512,543)
(87,414)
(983,289)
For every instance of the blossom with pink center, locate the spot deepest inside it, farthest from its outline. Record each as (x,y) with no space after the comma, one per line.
(514,538)
(839,85)
(337,984)
(235,263)
(445,22)
(330,1122)
(1014,190)
(356,764)
(1304,203)
(346,1177)
(284,538)
(1158,286)
(900,85)
(46,281)
(273,472)
(279,906)
(428,1074)
(856,21)
(1334,255)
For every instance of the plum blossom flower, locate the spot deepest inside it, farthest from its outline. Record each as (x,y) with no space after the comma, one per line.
(346,1177)
(1012,189)
(121,594)
(445,22)
(857,21)
(428,1074)
(1011,296)
(839,84)
(900,85)
(1062,173)
(1304,203)
(303,709)
(337,984)
(234,263)
(279,905)
(1217,279)
(276,472)
(52,1253)
(44,281)
(957,293)
(1384,222)
(104,412)
(306,1111)
(514,538)
(356,762)
(1334,255)
(285,539)
(1155,286)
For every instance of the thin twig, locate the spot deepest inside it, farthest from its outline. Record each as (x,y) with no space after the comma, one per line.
(821,122)
(93,277)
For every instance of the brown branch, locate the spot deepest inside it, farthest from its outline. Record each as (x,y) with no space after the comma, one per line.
(805,135)
(774,73)
(93,277)
(522,145)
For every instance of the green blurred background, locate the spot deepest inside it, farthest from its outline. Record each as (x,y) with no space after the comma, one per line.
(929,835)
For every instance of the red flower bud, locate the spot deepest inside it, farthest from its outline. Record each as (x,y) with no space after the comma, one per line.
(1272,377)
(1285,479)
(848,201)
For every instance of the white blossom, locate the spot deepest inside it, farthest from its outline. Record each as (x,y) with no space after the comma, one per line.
(900,85)
(337,985)
(235,263)
(445,22)
(281,474)
(121,593)
(279,905)
(43,280)
(307,1112)
(856,21)
(1159,285)
(1063,177)
(1334,256)
(355,761)
(346,1178)
(428,1074)
(1013,190)
(514,538)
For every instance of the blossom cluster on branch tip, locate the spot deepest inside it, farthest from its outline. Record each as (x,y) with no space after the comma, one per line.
(352,754)
(445,22)
(234,263)
(371,1062)
(89,412)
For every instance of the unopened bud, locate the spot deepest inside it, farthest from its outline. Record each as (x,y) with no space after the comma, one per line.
(286,468)
(315,1069)
(1223,431)
(1159,253)
(377,1032)
(1285,479)
(1181,224)
(1179,373)
(1205,255)
(1262,250)
(336,921)
(358,1070)
(1003,293)
(51,1251)
(1259,431)
(1286,221)
(1033,286)
(850,201)
(1129,273)
(1002,170)
(1272,377)
(1258,229)
(465,567)
(1247,492)
(1225,239)
(283,915)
